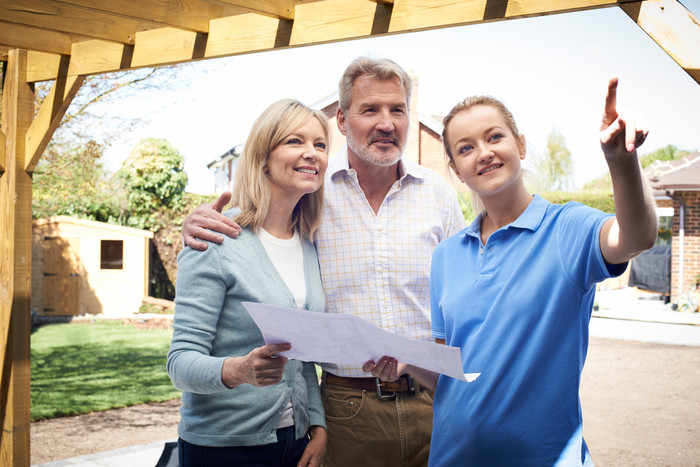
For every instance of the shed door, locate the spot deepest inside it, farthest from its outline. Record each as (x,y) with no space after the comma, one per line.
(61,276)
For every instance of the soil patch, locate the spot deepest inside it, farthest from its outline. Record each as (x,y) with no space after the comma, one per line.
(640,406)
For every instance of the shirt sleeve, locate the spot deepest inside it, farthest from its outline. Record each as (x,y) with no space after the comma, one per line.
(201,290)
(579,241)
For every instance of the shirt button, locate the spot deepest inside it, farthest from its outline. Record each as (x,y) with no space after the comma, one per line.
(481,251)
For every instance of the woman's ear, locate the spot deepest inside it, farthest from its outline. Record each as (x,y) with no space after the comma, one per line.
(522,146)
(454,169)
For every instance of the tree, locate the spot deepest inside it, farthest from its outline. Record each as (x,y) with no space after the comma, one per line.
(667,153)
(154,179)
(556,167)
(73,182)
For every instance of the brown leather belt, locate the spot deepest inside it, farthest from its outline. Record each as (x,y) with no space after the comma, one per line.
(385,389)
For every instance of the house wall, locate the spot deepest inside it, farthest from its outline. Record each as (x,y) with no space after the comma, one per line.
(111,292)
(691,253)
(432,156)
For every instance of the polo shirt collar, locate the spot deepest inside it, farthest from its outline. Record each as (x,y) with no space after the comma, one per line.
(530,219)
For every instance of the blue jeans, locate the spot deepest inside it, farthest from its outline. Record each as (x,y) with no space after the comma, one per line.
(286,452)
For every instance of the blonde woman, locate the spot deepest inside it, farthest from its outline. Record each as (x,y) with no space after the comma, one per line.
(242,402)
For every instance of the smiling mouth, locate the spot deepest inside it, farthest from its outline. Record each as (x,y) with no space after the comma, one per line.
(490,168)
(384,140)
(307,171)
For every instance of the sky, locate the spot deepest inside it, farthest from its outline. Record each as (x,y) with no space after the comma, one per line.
(551,71)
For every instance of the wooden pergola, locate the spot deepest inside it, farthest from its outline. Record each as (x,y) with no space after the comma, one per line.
(66,40)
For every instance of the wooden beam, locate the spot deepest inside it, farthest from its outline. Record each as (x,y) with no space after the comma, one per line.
(15,267)
(413,15)
(284,9)
(187,14)
(25,37)
(49,116)
(2,152)
(92,57)
(333,20)
(245,33)
(57,16)
(673,27)
(167,45)
(42,66)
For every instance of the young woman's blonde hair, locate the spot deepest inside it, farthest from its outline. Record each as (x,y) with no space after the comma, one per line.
(381,69)
(251,189)
(465,105)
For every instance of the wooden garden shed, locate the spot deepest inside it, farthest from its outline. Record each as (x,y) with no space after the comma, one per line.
(83,267)
(64,41)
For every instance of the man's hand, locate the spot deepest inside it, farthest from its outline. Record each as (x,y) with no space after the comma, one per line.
(618,137)
(208,216)
(388,369)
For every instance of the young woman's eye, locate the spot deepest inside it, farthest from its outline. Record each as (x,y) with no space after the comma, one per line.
(293,141)
(321,145)
(465,148)
(496,137)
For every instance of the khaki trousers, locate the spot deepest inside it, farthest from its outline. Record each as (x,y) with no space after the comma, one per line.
(366,431)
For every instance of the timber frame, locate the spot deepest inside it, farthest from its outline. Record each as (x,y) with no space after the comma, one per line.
(66,40)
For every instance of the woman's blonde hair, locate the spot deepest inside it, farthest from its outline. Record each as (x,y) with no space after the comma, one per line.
(251,190)
(463,106)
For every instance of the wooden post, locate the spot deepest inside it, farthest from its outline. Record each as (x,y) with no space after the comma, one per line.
(15,265)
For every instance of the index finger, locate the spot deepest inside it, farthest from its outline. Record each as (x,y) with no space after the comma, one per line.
(611,102)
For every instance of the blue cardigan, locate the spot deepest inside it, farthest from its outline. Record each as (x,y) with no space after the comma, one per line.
(210,325)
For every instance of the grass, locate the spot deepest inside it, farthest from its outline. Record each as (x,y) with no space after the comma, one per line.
(81,368)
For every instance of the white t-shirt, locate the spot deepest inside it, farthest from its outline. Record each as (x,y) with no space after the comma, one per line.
(288,258)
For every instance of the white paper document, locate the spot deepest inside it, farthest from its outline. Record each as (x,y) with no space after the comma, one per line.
(344,338)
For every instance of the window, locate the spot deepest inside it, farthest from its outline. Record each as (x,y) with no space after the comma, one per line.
(111,254)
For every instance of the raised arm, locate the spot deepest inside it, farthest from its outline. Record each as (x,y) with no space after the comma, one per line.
(634,227)
(208,216)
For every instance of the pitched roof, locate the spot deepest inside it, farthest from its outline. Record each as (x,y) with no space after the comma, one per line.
(682,174)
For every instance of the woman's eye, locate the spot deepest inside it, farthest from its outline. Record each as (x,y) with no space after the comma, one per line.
(293,141)
(321,145)
(496,137)
(465,148)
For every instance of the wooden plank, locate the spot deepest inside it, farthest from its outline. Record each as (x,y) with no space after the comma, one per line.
(284,9)
(167,45)
(42,66)
(673,27)
(243,34)
(2,151)
(15,267)
(53,15)
(333,20)
(92,57)
(24,37)
(412,15)
(49,116)
(188,14)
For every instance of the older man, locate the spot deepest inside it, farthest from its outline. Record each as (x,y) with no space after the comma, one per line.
(383,218)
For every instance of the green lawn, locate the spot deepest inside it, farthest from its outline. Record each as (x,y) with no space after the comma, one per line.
(80,368)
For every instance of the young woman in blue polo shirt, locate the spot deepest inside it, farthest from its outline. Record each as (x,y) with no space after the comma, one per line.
(515,291)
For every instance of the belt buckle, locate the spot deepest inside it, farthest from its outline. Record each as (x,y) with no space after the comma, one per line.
(380,394)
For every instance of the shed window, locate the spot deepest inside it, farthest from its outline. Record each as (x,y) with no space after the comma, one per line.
(111,254)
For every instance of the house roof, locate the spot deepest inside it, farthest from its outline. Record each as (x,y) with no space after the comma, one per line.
(324,103)
(92,224)
(678,175)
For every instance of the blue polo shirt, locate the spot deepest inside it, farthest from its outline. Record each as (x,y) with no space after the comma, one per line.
(519,308)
